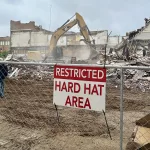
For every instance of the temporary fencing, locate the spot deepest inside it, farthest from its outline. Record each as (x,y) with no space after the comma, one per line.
(28,118)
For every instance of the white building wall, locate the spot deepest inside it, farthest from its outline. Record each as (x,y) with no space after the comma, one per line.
(94,37)
(20,39)
(101,38)
(143,35)
(39,39)
(91,38)
(62,41)
(120,39)
(113,41)
(27,39)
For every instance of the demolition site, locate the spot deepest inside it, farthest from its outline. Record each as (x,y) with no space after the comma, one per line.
(67,90)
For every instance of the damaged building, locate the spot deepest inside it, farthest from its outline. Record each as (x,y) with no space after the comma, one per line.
(26,38)
(142,40)
(138,42)
(4,43)
(133,50)
(32,41)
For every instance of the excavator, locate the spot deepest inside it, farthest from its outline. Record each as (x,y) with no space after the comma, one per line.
(56,52)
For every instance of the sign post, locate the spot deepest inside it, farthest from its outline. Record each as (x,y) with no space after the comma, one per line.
(81,87)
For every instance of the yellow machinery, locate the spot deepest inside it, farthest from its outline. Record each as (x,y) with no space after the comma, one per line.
(54,51)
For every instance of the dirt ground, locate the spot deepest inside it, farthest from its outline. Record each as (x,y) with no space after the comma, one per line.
(28,119)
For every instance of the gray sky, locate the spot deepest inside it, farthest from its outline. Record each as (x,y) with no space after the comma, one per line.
(118,16)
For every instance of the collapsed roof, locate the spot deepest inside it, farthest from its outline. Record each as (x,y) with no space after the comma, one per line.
(142,33)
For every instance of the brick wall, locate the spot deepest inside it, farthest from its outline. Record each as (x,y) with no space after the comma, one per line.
(4,43)
(17,25)
(4,48)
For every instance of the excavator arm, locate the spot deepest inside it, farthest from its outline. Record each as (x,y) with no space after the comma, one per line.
(84,30)
(65,27)
(58,33)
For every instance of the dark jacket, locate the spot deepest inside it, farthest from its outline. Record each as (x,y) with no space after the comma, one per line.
(3,71)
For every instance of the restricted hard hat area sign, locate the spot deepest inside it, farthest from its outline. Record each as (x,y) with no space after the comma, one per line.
(81,87)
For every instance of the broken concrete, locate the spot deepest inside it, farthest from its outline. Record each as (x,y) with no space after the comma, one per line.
(31,72)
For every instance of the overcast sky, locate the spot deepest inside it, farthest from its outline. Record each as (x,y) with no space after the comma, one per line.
(118,16)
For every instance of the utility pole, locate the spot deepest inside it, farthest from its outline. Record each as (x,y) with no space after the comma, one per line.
(50,7)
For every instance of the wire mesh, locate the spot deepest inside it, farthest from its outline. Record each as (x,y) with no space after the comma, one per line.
(28,118)
(137,96)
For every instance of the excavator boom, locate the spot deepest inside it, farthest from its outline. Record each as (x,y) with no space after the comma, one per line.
(58,33)
(65,27)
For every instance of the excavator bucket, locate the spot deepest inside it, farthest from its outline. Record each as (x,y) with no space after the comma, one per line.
(85,32)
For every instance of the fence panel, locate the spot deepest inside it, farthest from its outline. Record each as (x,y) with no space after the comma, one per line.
(28,118)
(136,131)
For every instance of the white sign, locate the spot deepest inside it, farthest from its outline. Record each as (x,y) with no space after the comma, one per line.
(80,87)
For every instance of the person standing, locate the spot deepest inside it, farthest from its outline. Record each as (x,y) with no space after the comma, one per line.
(3,75)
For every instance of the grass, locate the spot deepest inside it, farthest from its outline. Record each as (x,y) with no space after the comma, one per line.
(3,54)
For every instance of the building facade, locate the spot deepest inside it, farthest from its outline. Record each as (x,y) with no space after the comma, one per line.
(4,43)
(27,37)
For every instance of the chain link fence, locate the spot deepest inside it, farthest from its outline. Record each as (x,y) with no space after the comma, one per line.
(28,118)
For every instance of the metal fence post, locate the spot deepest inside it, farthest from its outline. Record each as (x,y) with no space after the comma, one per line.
(121,110)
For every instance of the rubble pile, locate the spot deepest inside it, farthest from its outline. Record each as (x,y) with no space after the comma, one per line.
(143,61)
(140,79)
(130,51)
(133,79)
(31,72)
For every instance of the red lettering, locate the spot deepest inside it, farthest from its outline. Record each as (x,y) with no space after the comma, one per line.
(64,87)
(94,90)
(87,89)
(80,73)
(57,85)
(67,87)
(74,101)
(68,101)
(76,87)
(70,86)
(100,89)
(87,104)
(80,101)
